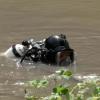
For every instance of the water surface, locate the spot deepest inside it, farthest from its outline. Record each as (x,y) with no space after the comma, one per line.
(22,19)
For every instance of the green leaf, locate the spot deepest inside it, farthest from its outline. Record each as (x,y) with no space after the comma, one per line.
(64,73)
(97,91)
(38,83)
(61,90)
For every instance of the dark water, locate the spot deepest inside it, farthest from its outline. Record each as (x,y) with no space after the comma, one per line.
(22,19)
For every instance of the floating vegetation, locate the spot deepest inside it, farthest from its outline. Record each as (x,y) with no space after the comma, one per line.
(38,83)
(88,89)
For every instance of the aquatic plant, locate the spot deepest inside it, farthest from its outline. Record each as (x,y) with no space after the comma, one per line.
(86,90)
(37,83)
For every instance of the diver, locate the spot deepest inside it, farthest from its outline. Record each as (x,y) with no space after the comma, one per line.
(53,50)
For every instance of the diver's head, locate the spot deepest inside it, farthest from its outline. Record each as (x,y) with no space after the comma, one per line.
(56,40)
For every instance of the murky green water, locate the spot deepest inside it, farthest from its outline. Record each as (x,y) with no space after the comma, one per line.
(22,19)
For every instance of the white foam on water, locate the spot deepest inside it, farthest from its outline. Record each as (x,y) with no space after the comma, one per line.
(81,77)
